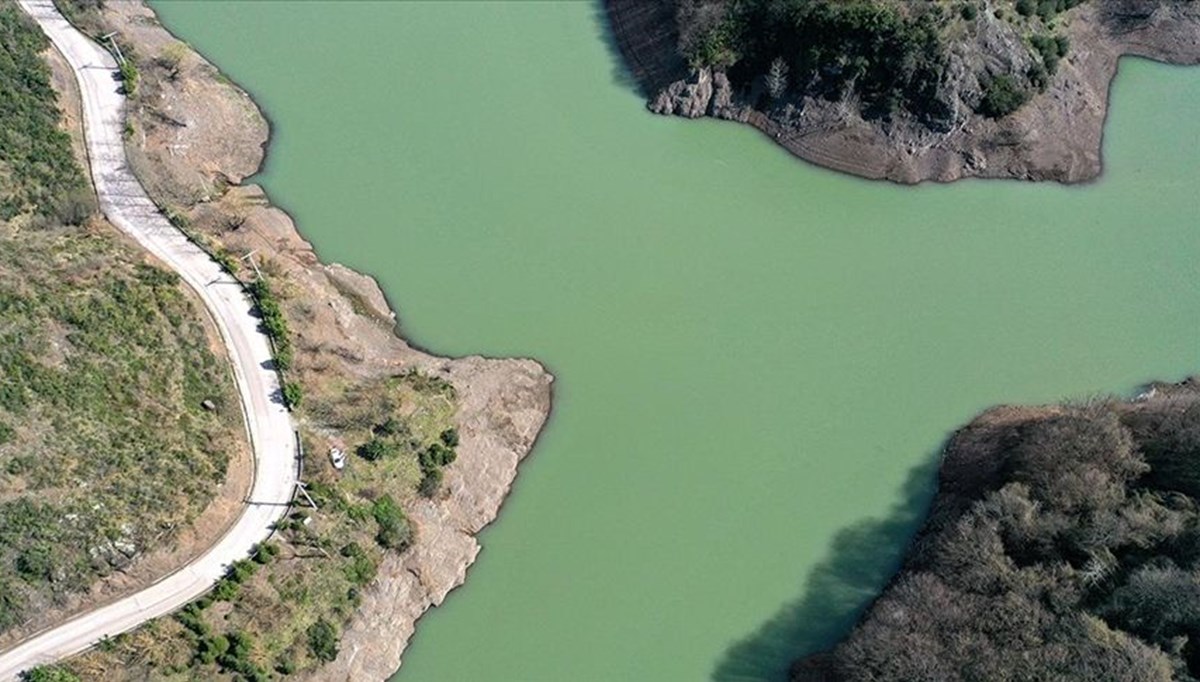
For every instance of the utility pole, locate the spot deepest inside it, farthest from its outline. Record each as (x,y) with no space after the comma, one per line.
(116,48)
(300,487)
(249,258)
(299,462)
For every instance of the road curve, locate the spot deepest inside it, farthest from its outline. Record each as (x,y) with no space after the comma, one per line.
(125,203)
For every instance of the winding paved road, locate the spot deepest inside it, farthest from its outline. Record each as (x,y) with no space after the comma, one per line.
(124,202)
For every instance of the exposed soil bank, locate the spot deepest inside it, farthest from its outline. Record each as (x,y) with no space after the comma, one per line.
(1056,136)
(196,138)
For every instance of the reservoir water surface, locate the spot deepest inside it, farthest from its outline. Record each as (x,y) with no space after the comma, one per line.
(757,360)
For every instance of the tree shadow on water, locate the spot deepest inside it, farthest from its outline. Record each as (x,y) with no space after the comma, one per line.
(621,73)
(861,559)
(642,42)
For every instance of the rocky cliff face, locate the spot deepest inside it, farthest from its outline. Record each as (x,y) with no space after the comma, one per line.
(1055,136)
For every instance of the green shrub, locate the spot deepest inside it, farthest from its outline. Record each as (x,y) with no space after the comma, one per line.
(265,552)
(11,605)
(175,216)
(191,618)
(362,568)
(36,562)
(1001,97)
(49,673)
(1062,45)
(376,449)
(129,76)
(323,640)
(431,482)
(435,456)
(394,529)
(284,356)
(284,665)
(225,260)
(156,277)
(449,437)
(209,649)
(391,427)
(1026,8)
(969,11)
(1047,49)
(292,394)
(224,590)
(6,433)
(236,658)
(241,570)
(238,573)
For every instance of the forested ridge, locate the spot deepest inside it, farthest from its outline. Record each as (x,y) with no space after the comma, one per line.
(1063,544)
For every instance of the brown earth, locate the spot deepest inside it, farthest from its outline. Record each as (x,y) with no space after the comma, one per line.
(1056,136)
(197,137)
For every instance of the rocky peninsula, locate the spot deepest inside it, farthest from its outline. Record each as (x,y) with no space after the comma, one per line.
(934,91)
(193,137)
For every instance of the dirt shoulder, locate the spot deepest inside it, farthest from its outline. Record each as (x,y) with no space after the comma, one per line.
(1056,136)
(196,138)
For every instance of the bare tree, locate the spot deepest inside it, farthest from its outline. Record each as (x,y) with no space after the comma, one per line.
(777,78)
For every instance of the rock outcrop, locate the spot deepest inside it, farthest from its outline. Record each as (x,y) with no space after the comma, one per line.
(1056,136)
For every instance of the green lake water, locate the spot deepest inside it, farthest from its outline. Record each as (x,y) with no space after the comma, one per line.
(757,360)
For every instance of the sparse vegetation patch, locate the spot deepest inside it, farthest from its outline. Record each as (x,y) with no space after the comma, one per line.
(282,612)
(106,450)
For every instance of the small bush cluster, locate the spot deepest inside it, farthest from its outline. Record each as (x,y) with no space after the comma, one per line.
(1045,9)
(1050,50)
(1002,96)
(395,532)
(323,640)
(275,326)
(232,651)
(434,458)
(362,567)
(129,76)
(49,673)
(377,449)
(227,587)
